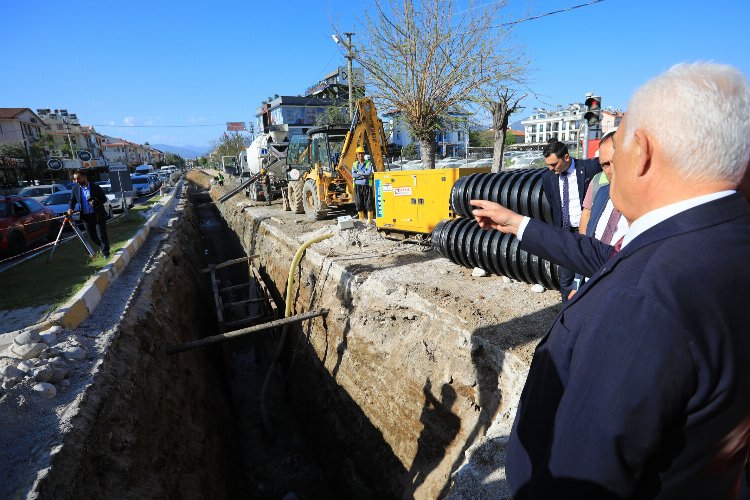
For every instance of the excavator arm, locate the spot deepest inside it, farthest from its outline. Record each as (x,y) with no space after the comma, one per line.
(366,130)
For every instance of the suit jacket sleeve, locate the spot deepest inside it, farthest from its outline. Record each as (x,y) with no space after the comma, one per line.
(620,398)
(97,193)
(581,254)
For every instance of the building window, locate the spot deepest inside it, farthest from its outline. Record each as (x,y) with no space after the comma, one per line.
(460,136)
(59,127)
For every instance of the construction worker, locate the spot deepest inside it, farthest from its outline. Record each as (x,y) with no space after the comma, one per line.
(362,173)
(265,182)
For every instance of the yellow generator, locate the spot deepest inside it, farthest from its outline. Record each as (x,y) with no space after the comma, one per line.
(414,201)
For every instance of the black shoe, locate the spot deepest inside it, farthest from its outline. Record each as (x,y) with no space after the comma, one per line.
(106,254)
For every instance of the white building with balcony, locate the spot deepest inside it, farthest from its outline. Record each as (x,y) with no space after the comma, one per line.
(452,140)
(562,124)
(20,127)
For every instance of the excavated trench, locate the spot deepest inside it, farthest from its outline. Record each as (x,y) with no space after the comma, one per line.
(415,368)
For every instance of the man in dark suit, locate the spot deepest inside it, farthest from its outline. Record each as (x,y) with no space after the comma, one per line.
(641,388)
(91,199)
(565,184)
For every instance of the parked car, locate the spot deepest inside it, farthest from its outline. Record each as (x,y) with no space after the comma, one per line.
(60,202)
(155,179)
(24,221)
(142,184)
(41,192)
(115,202)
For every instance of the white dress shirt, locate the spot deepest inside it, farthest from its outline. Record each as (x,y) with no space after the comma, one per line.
(574,199)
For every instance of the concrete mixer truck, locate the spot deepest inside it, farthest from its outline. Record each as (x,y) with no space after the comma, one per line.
(267,151)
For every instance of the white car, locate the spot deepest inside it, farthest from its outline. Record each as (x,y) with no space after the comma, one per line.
(60,202)
(115,202)
(39,193)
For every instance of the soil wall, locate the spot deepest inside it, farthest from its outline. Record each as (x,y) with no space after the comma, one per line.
(414,364)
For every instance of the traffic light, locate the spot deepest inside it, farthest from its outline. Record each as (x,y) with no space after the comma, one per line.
(593,113)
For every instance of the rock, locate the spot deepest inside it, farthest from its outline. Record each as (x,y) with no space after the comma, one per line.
(26,366)
(507,280)
(359,279)
(11,372)
(389,291)
(54,330)
(64,383)
(58,374)
(42,373)
(537,288)
(75,353)
(49,336)
(10,383)
(479,272)
(27,337)
(50,353)
(45,390)
(28,351)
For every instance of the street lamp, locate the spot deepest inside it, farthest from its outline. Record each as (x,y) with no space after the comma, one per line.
(349,57)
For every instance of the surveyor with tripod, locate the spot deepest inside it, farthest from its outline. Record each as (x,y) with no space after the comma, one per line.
(91,199)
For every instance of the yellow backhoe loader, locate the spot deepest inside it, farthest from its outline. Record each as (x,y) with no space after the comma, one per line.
(319,163)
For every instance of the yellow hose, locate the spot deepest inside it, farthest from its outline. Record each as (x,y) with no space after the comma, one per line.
(287,312)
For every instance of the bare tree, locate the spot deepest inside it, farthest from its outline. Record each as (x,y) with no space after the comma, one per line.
(502,104)
(424,59)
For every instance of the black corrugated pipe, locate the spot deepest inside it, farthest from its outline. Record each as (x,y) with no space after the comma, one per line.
(464,242)
(519,190)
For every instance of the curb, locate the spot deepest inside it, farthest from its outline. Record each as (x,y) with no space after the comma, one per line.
(82,304)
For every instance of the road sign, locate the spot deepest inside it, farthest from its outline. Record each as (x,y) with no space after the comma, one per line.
(54,164)
(84,155)
(118,167)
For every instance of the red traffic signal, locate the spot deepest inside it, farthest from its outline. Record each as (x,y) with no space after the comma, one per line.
(593,112)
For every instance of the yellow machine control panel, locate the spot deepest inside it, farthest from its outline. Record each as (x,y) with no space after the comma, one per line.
(414,201)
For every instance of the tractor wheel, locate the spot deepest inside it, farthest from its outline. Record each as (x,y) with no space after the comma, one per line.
(314,208)
(16,243)
(295,196)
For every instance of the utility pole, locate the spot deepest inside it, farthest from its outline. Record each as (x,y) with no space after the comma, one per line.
(70,143)
(349,58)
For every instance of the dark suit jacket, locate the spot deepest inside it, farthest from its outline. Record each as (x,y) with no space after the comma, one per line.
(585,170)
(97,194)
(646,371)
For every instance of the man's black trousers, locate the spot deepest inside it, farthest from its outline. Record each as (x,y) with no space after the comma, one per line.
(96,227)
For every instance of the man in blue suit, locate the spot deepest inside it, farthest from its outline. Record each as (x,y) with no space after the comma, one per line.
(91,199)
(565,183)
(641,388)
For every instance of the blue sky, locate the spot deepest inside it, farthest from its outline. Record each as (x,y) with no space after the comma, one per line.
(195,63)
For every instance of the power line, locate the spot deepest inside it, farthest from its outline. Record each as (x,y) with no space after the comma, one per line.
(511,23)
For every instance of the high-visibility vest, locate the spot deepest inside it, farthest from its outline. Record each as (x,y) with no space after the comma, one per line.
(362,175)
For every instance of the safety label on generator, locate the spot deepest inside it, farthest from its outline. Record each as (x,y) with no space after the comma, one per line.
(387,188)
(402,191)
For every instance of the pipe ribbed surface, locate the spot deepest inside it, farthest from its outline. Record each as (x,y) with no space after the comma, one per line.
(519,190)
(464,242)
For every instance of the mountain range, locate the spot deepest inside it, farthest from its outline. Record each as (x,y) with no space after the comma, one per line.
(183,151)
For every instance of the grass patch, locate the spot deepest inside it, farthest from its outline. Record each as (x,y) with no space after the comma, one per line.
(35,283)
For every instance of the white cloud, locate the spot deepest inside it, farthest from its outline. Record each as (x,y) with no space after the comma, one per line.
(129,121)
(197,119)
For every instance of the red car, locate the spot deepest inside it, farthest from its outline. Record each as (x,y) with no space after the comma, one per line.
(24,221)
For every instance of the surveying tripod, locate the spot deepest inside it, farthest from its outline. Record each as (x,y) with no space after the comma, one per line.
(69,220)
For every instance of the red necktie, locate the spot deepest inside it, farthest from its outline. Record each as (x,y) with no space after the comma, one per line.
(618,245)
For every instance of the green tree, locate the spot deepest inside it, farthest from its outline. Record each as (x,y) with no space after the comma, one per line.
(230,145)
(410,151)
(333,115)
(481,138)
